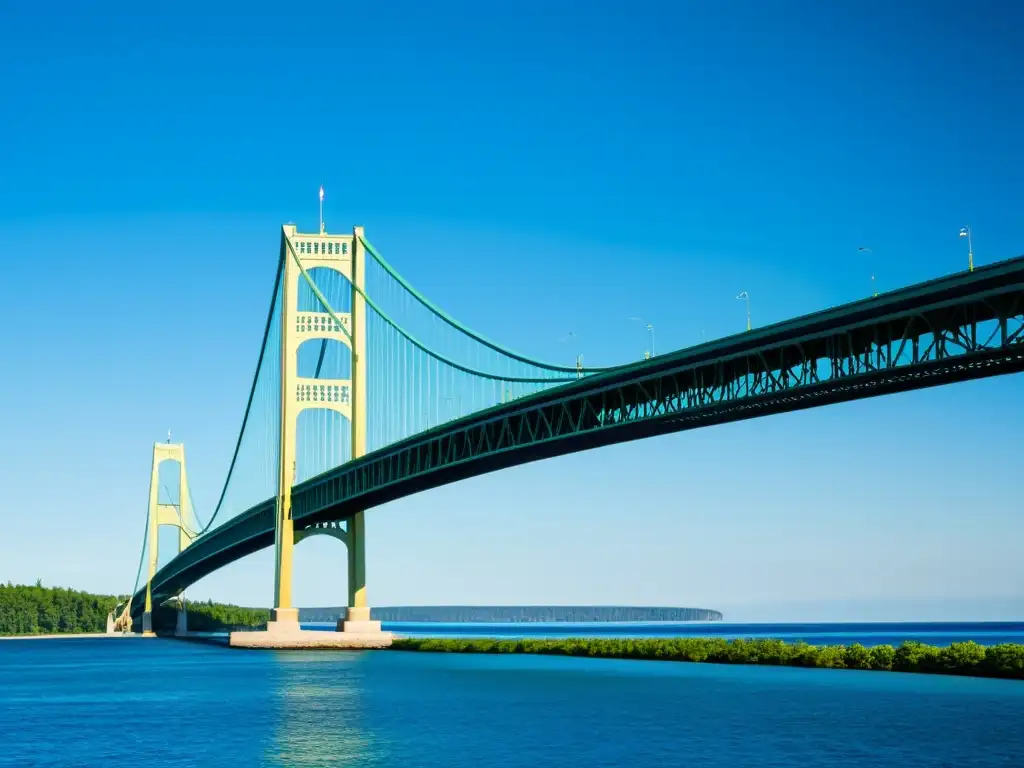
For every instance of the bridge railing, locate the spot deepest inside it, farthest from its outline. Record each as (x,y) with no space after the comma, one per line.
(953,329)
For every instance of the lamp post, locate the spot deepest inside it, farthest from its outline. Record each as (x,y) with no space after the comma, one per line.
(966,232)
(745,295)
(571,335)
(862,249)
(650,329)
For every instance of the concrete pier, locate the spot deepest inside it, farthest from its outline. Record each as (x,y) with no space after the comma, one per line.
(181,625)
(309,639)
(357,621)
(355,630)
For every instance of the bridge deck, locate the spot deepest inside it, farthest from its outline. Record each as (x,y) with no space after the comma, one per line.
(957,328)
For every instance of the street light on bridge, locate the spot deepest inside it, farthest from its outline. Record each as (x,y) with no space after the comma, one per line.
(579,355)
(862,249)
(650,329)
(574,338)
(966,232)
(745,295)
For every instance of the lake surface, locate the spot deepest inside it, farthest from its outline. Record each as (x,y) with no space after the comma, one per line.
(166,703)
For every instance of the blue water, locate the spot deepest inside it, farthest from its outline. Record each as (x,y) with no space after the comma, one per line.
(866,633)
(165,703)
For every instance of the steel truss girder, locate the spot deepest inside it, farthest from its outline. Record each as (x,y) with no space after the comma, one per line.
(958,329)
(939,343)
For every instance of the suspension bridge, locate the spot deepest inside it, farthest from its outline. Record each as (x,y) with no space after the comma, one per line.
(366,392)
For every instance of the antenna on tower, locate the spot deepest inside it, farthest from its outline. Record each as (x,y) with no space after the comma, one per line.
(168,435)
(321,208)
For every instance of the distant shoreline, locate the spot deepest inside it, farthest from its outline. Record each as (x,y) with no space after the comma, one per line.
(520,614)
(69,635)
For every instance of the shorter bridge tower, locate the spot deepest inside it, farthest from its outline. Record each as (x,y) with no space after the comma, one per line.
(180,516)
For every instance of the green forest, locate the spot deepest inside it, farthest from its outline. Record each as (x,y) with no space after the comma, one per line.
(39,610)
(969,658)
(211,617)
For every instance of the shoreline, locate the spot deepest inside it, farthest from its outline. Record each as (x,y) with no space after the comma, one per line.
(967,659)
(72,636)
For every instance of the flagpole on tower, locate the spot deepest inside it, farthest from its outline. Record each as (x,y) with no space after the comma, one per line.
(321,209)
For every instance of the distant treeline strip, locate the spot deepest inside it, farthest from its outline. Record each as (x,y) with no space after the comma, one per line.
(36,610)
(218,617)
(516,614)
(214,617)
(969,658)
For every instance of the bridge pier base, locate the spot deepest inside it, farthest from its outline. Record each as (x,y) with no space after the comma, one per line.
(357,621)
(147,623)
(283,632)
(357,617)
(283,621)
(181,625)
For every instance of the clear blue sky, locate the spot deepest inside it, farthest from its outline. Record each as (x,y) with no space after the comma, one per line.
(536,168)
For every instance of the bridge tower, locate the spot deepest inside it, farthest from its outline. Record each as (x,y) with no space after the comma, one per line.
(181,516)
(346,255)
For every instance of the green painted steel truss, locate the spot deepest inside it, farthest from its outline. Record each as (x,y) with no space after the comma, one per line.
(965,338)
(959,328)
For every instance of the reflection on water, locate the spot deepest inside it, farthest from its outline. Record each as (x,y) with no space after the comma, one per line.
(319,712)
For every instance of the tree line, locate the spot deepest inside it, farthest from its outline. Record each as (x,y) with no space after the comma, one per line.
(39,610)
(968,658)
(211,617)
